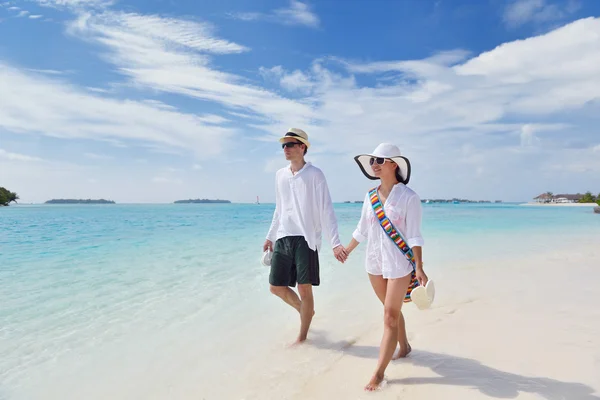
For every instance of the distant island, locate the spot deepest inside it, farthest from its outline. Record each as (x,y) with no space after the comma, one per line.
(79,201)
(459,201)
(203,201)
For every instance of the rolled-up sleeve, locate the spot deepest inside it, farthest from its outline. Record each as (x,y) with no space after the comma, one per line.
(361,232)
(272,234)
(413,222)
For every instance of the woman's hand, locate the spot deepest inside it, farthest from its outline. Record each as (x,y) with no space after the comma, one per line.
(421,276)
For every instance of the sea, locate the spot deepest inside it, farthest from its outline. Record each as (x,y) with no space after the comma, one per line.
(170,301)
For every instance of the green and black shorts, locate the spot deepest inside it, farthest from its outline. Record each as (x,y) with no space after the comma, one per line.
(294,262)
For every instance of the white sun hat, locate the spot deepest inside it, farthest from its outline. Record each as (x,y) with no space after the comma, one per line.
(384,150)
(297,134)
(423,297)
(266,258)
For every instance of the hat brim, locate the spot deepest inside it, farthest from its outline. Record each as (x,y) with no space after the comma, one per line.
(298,138)
(403,163)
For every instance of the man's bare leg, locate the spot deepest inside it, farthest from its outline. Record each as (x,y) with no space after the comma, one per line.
(287,295)
(307,310)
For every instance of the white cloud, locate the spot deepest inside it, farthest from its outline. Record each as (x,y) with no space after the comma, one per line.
(596,149)
(18,157)
(95,156)
(37,104)
(35,16)
(529,131)
(13,8)
(520,12)
(22,14)
(75,3)
(46,71)
(151,31)
(177,61)
(98,90)
(196,167)
(298,13)
(296,81)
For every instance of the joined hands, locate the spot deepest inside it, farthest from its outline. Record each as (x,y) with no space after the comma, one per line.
(340,253)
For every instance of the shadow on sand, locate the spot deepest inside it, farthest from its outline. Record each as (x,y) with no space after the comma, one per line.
(459,371)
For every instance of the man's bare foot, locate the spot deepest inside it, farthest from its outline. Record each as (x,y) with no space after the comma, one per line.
(374,383)
(402,352)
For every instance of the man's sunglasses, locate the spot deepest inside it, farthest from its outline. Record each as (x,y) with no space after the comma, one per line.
(289,144)
(378,160)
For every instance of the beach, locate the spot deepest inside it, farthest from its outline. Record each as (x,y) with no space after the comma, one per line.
(525,328)
(158,301)
(561,204)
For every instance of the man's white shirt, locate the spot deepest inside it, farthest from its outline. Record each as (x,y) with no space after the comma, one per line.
(303,207)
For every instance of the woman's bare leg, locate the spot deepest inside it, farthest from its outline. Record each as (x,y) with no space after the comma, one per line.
(395,292)
(379,285)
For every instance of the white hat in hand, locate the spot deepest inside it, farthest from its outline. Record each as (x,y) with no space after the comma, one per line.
(266,258)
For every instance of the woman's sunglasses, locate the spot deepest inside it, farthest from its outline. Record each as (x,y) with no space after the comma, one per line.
(289,144)
(378,160)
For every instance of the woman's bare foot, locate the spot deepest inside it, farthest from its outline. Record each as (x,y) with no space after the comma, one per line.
(402,352)
(298,342)
(374,383)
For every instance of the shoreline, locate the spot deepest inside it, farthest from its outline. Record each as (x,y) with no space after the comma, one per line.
(560,204)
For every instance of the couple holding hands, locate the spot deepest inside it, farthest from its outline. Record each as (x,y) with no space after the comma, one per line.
(390,222)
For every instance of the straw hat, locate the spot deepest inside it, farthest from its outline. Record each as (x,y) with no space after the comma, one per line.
(297,134)
(384,150)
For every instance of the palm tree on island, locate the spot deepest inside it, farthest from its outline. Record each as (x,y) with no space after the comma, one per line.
(7,197)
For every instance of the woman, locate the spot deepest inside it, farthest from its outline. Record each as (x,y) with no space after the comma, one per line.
(390,269)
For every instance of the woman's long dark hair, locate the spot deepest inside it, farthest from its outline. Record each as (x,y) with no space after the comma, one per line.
(398,176)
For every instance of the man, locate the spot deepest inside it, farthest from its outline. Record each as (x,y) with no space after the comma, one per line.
(303,210)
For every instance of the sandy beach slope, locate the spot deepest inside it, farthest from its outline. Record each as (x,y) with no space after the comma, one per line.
(524,329)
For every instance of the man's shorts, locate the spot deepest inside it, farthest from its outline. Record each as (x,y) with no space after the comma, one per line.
(294,262)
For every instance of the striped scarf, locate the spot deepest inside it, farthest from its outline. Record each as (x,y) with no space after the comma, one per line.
(396,237)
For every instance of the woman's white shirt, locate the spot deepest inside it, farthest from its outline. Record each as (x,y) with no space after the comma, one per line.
(383,257)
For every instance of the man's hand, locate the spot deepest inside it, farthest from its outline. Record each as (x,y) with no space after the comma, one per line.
(421,276)
(340,253)
(268,245)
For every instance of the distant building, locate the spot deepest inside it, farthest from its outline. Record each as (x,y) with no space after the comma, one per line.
(558,198)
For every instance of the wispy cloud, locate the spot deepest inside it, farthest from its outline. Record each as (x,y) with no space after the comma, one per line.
(23,13)
(161,61)
(35,16)
(298,13)
(520,12)
(95,156)
(154,31)
(75,3)
(18,157)
(69,112)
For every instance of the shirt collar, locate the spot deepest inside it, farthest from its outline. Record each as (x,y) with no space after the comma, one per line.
(289,168)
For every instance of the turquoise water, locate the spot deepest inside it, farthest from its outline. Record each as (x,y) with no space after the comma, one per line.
(97,301)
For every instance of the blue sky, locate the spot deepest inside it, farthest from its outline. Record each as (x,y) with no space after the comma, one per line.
(153,101)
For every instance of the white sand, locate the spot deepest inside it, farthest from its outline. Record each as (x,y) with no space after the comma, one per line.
(561,204)
(525,329)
